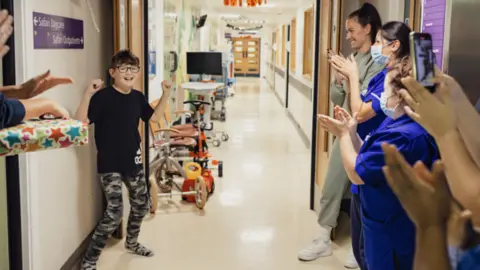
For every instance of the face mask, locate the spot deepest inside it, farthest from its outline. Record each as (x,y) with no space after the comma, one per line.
(383,105)
(377,56)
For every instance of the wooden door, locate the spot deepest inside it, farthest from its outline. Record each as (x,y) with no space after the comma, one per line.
(128,33)
(247,56)
(323,87)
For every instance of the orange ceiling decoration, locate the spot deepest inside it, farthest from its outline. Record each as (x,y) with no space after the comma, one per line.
(250,3)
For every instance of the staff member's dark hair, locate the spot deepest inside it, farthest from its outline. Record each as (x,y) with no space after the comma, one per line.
(398,31)
(392,31)
(368,15)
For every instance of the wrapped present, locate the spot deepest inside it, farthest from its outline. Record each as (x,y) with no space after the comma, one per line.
(37,135)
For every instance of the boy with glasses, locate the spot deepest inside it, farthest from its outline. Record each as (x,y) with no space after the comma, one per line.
(116,111)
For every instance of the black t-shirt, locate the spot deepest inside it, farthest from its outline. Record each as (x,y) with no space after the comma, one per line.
(116,118)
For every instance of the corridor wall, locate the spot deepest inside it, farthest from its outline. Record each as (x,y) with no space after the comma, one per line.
(300,86)
(60,194)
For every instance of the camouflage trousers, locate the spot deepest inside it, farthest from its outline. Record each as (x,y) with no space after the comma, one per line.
(139,207)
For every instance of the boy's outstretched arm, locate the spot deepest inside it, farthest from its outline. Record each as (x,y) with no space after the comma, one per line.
(162,104)
(82,111)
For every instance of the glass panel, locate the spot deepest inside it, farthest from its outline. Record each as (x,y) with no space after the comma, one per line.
(252,49)
(252,61)
(252,55)
(238,49)
(252,43)
(238,61)
(239,42)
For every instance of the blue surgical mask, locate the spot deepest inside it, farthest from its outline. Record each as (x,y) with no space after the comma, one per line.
(377,56)
(383,105)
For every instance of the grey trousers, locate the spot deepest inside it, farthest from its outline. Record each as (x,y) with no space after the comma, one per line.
(335,186)
(139,197)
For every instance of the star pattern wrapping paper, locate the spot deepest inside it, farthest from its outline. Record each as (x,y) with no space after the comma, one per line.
(38,135)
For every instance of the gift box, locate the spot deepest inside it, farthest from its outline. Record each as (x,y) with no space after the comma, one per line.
(38,135)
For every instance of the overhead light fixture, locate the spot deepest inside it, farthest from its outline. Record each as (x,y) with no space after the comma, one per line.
(230,16)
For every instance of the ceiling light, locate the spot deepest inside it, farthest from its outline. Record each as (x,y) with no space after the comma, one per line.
(230,16)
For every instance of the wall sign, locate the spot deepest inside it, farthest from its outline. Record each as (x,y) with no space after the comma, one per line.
(55,32)
(433,22)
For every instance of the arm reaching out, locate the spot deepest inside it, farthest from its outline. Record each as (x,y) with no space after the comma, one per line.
(340,128)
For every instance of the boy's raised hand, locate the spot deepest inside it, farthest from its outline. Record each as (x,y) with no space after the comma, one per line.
(167,86)
(94,86)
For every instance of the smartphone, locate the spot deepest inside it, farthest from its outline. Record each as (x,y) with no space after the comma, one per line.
(421,51)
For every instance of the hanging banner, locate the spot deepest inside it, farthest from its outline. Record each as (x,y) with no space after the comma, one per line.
(55,32)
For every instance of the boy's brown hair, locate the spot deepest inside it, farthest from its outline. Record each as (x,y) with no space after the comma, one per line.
(124,57)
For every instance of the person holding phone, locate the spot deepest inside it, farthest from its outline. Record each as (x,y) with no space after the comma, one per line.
(362,26)
(456,134)
(389,234)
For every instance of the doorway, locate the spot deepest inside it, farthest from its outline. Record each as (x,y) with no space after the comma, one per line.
(130,32)
(246,56)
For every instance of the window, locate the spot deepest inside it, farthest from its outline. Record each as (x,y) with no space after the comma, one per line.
(308,44)
(293,44)
(284,48)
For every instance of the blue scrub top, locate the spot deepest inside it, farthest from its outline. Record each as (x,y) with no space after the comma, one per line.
(386,225)
(374,91)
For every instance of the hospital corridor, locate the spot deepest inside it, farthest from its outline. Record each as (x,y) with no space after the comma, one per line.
(258,216)
(239,135)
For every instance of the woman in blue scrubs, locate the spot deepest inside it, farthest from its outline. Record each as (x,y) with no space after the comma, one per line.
(389,235)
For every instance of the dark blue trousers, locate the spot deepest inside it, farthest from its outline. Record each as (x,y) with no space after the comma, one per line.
(357,232)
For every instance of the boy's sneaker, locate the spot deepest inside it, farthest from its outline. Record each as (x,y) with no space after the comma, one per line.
(351,262)
(86,265)
(139,249)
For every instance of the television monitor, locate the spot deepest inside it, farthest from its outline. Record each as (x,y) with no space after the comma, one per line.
(204,63)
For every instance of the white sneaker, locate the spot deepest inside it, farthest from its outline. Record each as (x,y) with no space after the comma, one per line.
(351,262)
(317,249)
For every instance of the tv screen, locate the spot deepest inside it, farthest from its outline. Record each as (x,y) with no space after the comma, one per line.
(208,63)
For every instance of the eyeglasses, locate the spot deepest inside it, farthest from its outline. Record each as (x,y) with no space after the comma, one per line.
(124,69)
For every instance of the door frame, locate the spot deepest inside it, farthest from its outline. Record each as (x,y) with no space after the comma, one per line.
(12,166)
(321,97)
(135,34)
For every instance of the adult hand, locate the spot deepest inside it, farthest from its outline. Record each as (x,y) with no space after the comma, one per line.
(39,85)
(456,225)
(352,123)
(434,112)
(347,67)
(424,196)
(167,87)
(58,111)
(6,30)
(337,127)
(94,86)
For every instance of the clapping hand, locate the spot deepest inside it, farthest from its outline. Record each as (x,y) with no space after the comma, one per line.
(38,85)
(346,67)
(338,125)
(6,30)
